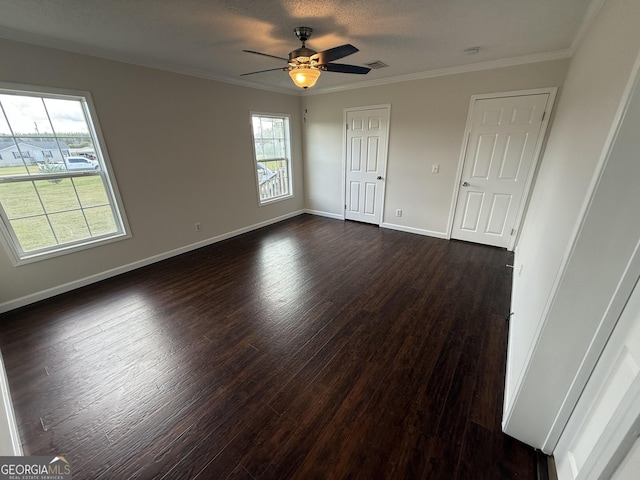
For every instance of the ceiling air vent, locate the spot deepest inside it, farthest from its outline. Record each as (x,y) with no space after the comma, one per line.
(376,65)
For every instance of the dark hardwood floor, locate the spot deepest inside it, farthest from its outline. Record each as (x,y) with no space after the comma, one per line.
(313,348)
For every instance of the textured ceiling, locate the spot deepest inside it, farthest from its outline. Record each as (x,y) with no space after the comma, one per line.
(206,37)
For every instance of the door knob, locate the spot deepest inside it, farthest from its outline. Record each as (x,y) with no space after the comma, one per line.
(379,178)
(465,184)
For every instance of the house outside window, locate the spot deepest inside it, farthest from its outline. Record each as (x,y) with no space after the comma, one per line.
(50,205)
(272,155)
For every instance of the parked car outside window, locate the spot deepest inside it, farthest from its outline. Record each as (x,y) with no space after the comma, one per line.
(72,163)
(80,163)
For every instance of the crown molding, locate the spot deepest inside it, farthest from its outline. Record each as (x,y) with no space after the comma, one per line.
(585,25)
(46,42)
(441,72)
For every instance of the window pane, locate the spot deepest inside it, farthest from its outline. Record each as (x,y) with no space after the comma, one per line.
(257,129)
(26,115)
(67,116)
(20,200)
(259,152)
(267,128)
(78,146)
(14,160)
(91,191)
(280,149)
(100,220)
(32,151)
(4,126)
(33,233)
(278,128)
(69,226)
(268,149)
(63,149)
(57,195)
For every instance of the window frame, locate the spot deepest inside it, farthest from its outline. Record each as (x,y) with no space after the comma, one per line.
(288,148)
(9,240)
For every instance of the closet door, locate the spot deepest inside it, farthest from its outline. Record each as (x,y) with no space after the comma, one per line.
(606,421)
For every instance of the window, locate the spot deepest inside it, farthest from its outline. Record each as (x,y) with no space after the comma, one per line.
(272,148)
(49,204)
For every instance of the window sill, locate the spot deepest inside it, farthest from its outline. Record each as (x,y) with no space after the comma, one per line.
(275,200)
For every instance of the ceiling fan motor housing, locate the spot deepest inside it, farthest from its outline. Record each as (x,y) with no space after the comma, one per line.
(301,55)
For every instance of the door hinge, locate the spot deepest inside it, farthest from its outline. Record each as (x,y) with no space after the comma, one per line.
(345,206)
(544,114)
(513,232)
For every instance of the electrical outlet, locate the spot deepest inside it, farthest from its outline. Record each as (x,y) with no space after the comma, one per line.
(398,213)
(435,168)
(197,226)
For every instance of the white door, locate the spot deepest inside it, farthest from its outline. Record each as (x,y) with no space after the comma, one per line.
(366,161)
(503,142)
(605,423)
(630,466)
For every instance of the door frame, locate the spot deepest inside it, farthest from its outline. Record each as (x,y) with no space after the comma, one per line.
(552,92)
(345,111)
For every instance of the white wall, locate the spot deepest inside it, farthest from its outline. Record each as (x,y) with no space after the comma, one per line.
(563,283)
(601,424)
(428,119)
(181,150)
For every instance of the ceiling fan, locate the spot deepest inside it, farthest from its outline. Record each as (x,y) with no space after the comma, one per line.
(304,65)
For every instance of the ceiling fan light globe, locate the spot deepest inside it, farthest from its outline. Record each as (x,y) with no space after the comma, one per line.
(304,77)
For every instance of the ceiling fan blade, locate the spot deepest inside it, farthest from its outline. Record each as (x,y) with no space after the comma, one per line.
(341,68)
(262,71)
(334,53)
(266,55)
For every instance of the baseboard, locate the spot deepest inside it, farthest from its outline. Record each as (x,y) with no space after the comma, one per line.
(67,287)
(320,213)
(419,231)
(391,226)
